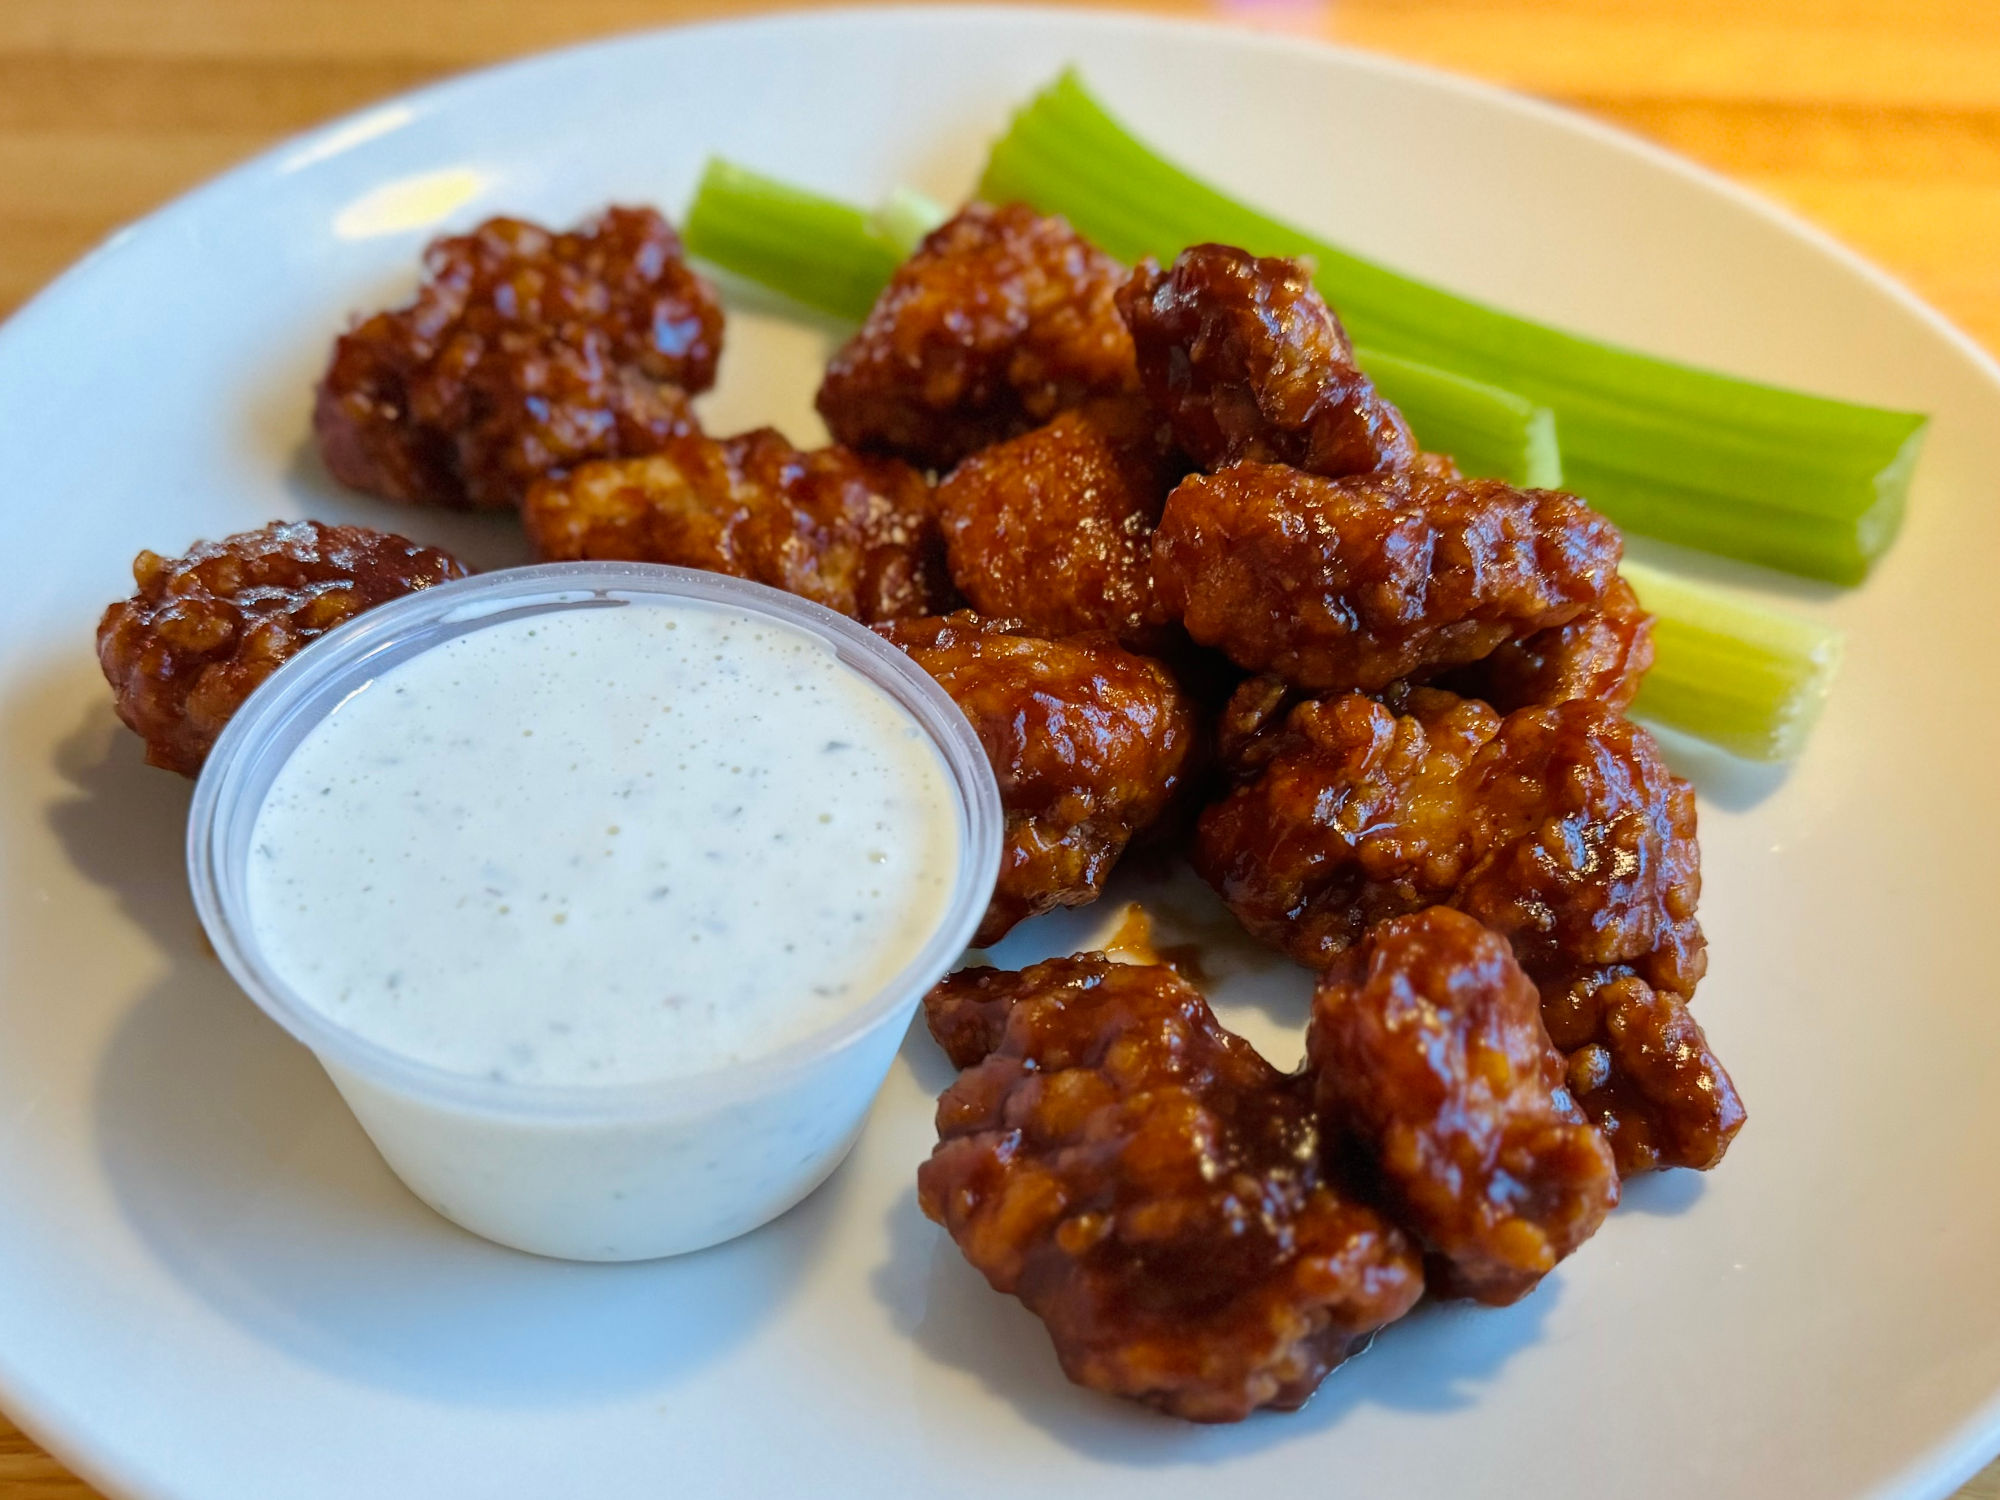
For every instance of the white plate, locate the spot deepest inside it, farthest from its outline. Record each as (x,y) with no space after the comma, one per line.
(210,1287)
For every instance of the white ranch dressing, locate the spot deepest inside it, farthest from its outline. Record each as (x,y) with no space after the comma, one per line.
(604,845)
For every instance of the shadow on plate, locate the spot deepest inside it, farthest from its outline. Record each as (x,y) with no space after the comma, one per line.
(1662,1194)
(232,1157)
(1437,1359)
(1719,777)
(926,1061)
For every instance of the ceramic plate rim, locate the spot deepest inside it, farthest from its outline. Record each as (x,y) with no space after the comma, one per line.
(1935,1472)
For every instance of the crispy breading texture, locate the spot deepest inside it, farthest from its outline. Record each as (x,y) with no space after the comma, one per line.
(1643,1071)
(1348,813)
(1354,583)
(1055,528)
(1603,654)
(204,630)
(1248,362)
(1559,827)
(1584,855)
(854,533)
(1089,742)
(1155,1192)
(1581,849)
(1427,1048)
(966,1012)
(1001,319)
(524,353)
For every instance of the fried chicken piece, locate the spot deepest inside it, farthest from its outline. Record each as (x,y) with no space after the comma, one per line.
(1248,362)
(1583,853)
(1641,1069)
(1354,583)
(1350,813)
(1000,320)
(1580,848)
(524,353)
(1427,1048)
(1155,1192)
(204,630)
(1604,654)
(1089,743)
(1558,827)
(966,1012)
(856,534)
(1055,528)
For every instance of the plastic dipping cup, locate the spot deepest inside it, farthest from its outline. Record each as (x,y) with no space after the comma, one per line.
(626,1171)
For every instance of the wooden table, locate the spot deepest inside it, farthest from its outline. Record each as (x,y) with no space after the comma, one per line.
(1880,119)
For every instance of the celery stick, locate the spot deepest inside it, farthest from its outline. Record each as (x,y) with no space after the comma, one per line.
(905,217)
(1731,670)
(815,250)
(829,255)
(1487,431)
(1795,481)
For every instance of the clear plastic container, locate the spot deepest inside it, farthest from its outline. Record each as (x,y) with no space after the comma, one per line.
(623,1172)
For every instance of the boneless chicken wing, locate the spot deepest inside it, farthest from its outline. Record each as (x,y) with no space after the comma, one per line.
(1558,827)
(1155,1192)
(1354,813)
(1580,847)
(1427,1048)
(524,353)
(854,533)
(1055,528)
(1642,1070)
(1582,852)
(1001,319)
(966,1013)
(1089,742)
(204,630)
(1248,362)
(1357,582)
(1602,654)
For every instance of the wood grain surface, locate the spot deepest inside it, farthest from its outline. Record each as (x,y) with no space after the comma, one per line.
(1877,119)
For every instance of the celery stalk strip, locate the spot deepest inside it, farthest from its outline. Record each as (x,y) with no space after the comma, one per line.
(836,258)
(1487,431)
(815,250)
(1731,670)
(1780,477)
